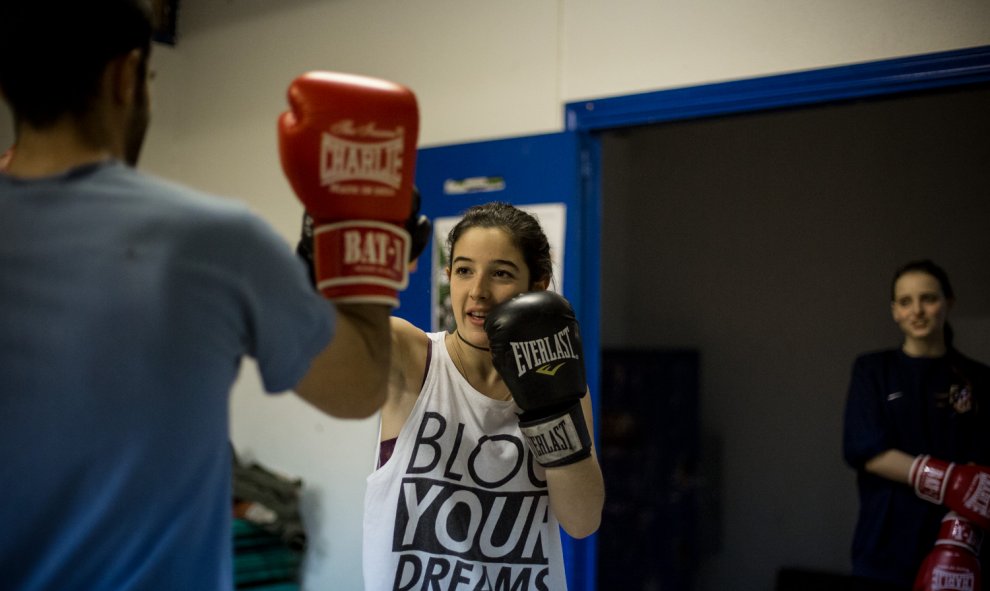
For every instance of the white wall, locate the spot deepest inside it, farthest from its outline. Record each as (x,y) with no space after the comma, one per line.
(481,70)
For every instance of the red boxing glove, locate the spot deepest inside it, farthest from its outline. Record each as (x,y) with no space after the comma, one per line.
(953,564)
(348,148)
(963,488)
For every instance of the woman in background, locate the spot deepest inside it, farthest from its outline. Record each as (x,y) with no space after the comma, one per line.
(914,417)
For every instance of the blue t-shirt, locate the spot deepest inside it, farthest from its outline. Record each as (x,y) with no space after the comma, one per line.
(937,406)
(126,306)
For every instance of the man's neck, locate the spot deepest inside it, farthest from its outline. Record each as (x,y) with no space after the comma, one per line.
(53,150)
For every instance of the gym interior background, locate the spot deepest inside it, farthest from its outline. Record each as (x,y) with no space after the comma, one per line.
(764,241)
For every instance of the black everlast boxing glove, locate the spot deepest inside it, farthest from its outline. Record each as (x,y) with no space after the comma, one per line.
(418,226)
(304,248)
(536,348)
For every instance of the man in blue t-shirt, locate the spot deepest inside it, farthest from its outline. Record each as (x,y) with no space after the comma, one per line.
(126,306)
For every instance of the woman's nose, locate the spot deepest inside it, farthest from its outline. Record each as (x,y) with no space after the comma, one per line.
(479,289)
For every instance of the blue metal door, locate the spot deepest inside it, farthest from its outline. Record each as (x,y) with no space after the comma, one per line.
(542,173)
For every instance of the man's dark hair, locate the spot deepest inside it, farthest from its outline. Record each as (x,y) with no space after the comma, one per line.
(54,52)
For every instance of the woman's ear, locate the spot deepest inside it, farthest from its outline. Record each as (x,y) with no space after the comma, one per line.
(540,285)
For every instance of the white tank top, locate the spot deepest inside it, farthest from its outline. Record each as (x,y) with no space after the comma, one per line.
(460,504)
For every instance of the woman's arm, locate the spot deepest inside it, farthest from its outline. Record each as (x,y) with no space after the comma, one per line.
(892,464)
(409,348)
(577,491)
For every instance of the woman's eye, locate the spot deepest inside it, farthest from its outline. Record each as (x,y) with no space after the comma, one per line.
(461,271)
(503,274)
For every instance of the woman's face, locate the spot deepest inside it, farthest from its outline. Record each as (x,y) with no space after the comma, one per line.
(486,269)
(919,307)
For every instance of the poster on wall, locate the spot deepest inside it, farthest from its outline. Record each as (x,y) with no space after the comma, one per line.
(552,218)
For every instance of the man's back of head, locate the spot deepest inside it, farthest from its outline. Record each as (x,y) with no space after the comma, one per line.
(56,51)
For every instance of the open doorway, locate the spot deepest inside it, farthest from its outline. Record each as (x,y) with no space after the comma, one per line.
(766,242)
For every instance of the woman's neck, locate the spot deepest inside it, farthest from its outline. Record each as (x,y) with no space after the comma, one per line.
(920,348)
(475,364)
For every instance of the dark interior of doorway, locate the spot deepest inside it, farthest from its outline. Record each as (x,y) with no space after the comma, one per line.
(765,242)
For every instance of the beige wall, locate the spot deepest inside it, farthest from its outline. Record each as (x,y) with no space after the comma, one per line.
(481,70)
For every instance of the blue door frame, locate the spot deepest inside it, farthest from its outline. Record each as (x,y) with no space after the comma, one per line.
(921,72)
(588,118)
(526,171)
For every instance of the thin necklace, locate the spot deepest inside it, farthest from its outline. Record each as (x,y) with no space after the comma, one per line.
(470,344)
(460,365)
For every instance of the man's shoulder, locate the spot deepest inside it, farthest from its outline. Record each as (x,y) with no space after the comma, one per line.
(187,211)
(180,196)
